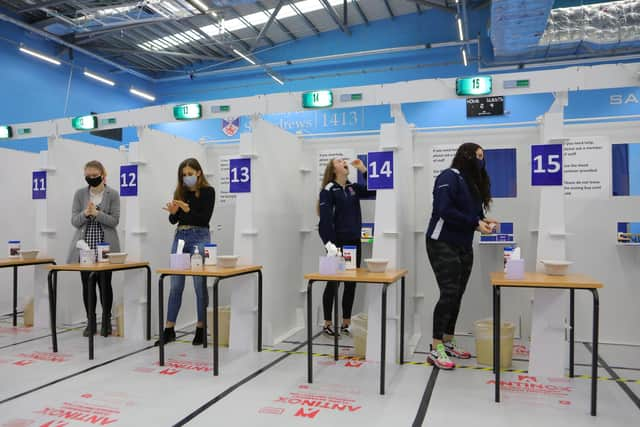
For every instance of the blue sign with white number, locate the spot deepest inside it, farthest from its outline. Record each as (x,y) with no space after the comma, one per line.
(380,170)
(129,180)
(240,176)
(546,164)
(39,185)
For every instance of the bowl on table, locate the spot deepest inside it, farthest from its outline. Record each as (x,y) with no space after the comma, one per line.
(117,257)
(556,267)
(29,254)
(227,261)
(377,265)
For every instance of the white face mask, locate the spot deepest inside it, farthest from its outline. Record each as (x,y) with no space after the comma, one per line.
(190,180)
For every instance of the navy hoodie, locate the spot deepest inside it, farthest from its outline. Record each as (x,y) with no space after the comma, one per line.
(456,211)
(340,215)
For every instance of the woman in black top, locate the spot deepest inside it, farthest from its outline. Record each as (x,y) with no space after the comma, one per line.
(341,224)
(191,208)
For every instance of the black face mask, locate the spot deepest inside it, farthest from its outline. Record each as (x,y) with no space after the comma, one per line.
(94,182)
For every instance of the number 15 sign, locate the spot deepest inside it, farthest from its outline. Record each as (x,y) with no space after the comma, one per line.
(380,170)
(546,164)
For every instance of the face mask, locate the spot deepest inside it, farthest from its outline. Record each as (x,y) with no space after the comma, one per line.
(189,180)
(94,182)
(480,163)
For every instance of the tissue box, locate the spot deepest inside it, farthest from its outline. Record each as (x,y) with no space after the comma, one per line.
(180,261)
(515,269)
(328,265)
(87,257)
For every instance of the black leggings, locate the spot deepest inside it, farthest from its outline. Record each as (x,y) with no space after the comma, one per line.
(106,292)
(452,266)
(349,293)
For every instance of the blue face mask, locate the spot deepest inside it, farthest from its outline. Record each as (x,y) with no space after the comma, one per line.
(190,180)
(480,163)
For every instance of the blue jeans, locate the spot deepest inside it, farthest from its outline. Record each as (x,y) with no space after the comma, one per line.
(192,237)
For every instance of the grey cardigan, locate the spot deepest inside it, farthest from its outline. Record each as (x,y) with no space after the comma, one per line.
(108,217)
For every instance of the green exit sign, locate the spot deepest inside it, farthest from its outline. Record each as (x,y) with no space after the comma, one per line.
(6,132)
(187,112)
(317,99)
(473,86)
(84,122)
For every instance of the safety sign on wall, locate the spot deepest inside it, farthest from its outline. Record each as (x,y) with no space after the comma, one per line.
(240,175)
(546,164)
(39,185)
(380,170)
(128,180)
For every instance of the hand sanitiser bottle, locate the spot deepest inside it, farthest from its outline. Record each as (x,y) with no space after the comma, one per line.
(196,259)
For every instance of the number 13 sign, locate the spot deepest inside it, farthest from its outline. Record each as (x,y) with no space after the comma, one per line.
(240,175)
(546,164)
(380,170)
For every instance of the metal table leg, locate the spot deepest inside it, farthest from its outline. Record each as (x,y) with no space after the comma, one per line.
(52,309)
(15,295)
(205,295)
(216,331)
(309,333)
(571,331)
(496,340)
(402,320)
(92,314)
(335,322)
(383,337)
(594,353)
(148,302)
(161,317)
(259,310)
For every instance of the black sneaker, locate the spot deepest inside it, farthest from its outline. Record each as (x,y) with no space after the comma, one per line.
(169,335)
(328,330)
(199,338)
(344,330)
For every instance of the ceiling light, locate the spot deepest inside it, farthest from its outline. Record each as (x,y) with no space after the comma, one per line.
(142,94)
(243,56)
(464,57)
(99,78)
(197,3)
(460,29)
(275,78)
(39,55)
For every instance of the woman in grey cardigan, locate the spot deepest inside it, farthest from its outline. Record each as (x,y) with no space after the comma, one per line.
(95,215)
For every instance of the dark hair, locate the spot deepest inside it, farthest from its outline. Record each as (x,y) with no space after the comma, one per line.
(181,190)
(476,177)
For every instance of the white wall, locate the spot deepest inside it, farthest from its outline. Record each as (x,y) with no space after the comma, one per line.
(68,158)
(18,220)
(523,211)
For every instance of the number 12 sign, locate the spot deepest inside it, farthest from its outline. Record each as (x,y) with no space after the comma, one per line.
(240,175)
(546,164)
(129,180)
(380,170)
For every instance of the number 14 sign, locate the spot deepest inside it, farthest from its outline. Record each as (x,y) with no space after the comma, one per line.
(380,170)
(546,164)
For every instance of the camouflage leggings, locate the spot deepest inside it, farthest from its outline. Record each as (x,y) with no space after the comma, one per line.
(452,267)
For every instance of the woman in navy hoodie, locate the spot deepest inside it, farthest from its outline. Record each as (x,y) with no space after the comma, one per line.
(461,196)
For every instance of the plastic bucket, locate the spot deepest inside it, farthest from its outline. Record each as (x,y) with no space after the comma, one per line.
(484,342)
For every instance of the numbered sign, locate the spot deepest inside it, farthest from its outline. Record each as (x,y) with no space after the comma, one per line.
(39,185)
(380,170)
(129,180)
(240,176)
(546,164)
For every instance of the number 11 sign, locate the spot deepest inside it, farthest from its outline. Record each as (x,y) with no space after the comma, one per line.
(380,170)
(546,164)
(39,185)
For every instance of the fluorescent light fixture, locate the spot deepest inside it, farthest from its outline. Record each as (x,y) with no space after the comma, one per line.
(275,78)
(142,94)
(99,78)
(243,56)
(460,29)
(197,3)
(39,55)
(464,57)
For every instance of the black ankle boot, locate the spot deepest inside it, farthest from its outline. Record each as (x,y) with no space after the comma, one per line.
(85,333)
(199,338)
(106,329)
(168,335)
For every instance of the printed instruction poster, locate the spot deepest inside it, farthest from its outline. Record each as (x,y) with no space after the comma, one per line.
(587,167)
(325,156)
(225,198)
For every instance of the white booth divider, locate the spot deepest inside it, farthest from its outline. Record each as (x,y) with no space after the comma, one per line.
(17,218)
(149,234)
(64,162)
(267,232)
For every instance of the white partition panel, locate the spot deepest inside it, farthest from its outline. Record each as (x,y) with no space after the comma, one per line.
(64,161)
(17,219)
(267,232)
(149,234)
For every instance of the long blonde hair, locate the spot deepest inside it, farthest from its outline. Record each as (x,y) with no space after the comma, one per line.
(329,176)
(180,192)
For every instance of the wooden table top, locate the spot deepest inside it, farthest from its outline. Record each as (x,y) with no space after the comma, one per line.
(10,262)
(541,280)
(212,271)
(99,266)
(359,275)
